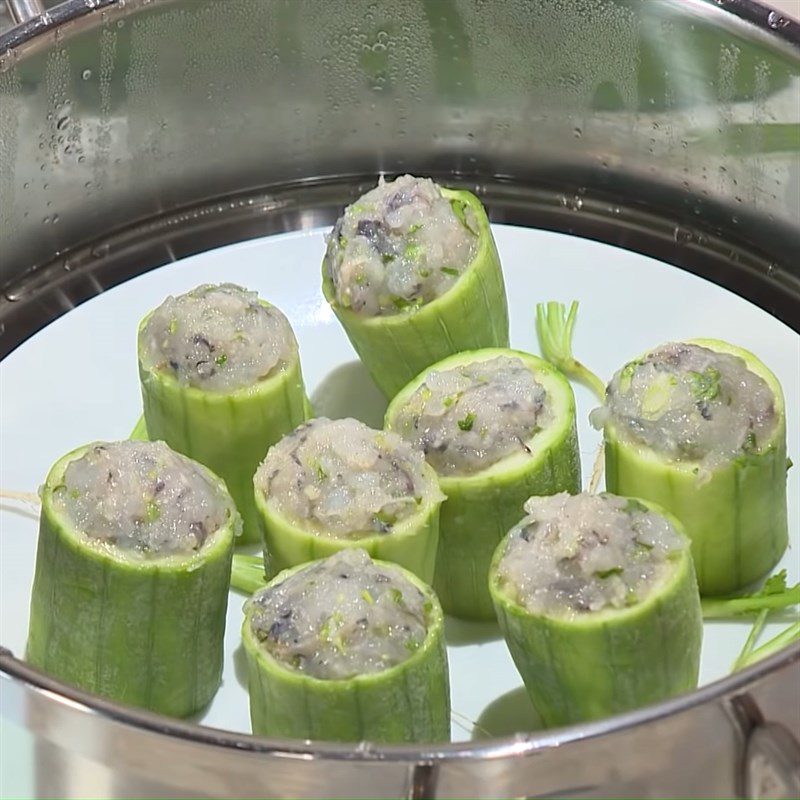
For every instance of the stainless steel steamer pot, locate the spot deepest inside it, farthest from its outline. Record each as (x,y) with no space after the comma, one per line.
(134,132)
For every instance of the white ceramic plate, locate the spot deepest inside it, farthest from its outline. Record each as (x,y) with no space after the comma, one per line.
(76,381)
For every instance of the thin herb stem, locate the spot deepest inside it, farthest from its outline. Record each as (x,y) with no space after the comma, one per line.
(721,609)
(783,639)
(597,469)
(555,328)
(247,573)
(23,497)
(752,638)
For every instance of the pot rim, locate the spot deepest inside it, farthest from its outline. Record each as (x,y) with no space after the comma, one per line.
(501,747)
(32,34)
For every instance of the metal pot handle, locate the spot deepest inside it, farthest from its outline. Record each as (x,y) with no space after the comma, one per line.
(24,10)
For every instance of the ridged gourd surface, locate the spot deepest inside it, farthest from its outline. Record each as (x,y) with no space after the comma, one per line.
(341,617)
(399,246)
(690,403)
(217,338)
(468,418)
(576,554)
(142,498)
(341,478)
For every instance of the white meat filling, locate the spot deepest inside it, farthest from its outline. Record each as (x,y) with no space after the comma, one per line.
(399,246)
(341,479)
(217,338)
(141,497)
(468,418)
(690,403)
(341,617)
(577,554)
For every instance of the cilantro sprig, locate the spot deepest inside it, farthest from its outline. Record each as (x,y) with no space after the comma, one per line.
(774,594)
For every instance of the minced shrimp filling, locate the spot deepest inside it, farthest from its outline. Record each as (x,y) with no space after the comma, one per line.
(141,497)
(575,554)
(470,417)
(341,479)
(217,338)
(341,617)
(688,402)
(399,246)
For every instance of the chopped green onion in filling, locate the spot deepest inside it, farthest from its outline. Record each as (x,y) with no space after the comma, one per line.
(341,617)
(576,554)
(467,418)
(690,403)
(399,246)
(217,338)
(141,497)
(341,479)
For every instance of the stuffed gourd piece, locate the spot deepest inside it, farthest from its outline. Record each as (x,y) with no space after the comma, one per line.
(221,383)
(700,428)
(497,426)
(347,649)
(412,273)
(597,598)
(335,484)
(132,574)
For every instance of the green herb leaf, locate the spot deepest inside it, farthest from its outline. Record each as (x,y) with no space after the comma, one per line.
(450,271)
(635,505)
(402,304)
(607,573)
(467,423)
(705,385)
(221,359)
(153,511)
(368,597)
(413,252)
(460,210)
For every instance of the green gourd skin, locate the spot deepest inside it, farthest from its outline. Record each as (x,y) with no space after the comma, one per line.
(482,507)
(147,633)
(606,662)
(229,432)
(412,544)
(409,702)
(737,518)
(472,314)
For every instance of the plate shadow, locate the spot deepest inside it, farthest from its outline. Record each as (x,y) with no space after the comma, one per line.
(348,391)
(510,713)
(240,665)
(461,631)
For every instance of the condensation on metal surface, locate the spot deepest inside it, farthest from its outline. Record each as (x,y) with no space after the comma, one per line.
(167,103)
(126,133)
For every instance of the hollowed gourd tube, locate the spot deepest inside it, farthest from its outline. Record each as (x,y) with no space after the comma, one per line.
(734,511)
(143,629)
(328,692)
(583,658)
(395,519)
(484,502)
(471,314)
(229,431)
